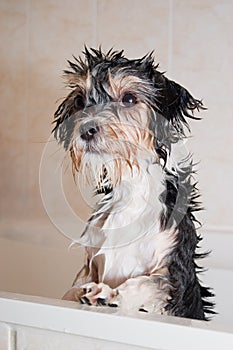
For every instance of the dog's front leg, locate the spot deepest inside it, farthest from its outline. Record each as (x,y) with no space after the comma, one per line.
(142,293)
(98,294)
(91,293)
(76,292)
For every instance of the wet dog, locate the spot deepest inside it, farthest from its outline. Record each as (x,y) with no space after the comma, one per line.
(124,124)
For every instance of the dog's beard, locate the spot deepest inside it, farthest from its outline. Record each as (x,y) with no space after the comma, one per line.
(103,170)
(103,164)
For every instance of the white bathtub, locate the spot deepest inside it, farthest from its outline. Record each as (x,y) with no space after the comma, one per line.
(38,323)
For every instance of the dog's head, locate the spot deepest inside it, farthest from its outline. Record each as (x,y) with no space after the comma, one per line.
(120,110)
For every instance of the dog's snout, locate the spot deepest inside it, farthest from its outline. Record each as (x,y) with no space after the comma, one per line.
(88,130)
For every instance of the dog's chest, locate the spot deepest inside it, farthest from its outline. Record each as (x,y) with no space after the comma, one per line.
(146,255)
(124,237)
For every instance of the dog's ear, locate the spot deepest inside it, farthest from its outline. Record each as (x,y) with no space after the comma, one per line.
(175,103)
(64,119)
(173,106)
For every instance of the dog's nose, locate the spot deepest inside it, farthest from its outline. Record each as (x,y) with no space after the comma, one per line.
(88,130)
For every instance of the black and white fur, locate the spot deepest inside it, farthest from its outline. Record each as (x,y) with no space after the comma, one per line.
(121,123)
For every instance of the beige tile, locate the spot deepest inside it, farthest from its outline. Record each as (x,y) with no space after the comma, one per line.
(56,31)
(13,107)
(212,146)
(202,61)
(38,269)
(203,46)
(66,206)
(13,70)
(71,199)
(13,179)
(217,193)
(212,135)
(134,26)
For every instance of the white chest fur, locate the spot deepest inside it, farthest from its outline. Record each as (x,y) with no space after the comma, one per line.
(124,238)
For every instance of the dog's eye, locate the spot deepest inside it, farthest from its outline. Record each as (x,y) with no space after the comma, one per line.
(129,99)
(79,103)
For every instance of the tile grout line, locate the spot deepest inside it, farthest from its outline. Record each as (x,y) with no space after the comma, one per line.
(26,142)
(94,6)
(170,37)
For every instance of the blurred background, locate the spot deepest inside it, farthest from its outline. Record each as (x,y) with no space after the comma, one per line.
(193,42)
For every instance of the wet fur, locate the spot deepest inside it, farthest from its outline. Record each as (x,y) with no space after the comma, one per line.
(101,80)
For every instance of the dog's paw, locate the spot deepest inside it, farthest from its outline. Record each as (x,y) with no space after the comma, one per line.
(99,294)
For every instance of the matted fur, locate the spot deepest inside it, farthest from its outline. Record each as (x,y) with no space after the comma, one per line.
(121,122)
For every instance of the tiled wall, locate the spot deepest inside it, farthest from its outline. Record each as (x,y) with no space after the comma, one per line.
(193,41)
